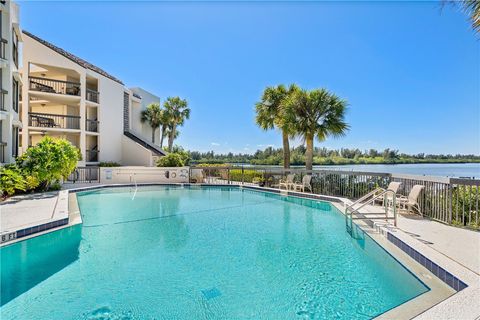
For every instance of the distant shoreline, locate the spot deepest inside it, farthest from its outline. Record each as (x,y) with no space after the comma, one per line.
(348,162)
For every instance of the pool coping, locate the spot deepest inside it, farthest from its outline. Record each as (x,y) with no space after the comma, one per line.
(394,241)
(59,217)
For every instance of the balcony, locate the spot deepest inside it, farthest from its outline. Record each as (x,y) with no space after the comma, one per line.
(3,100)
(91,125)
(3,146)
(3,48)
(15,54)
(58,121)
(54,86)
(92,154)
(92,95)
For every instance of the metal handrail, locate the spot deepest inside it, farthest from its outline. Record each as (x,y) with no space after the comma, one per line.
(373,198)
(371,193)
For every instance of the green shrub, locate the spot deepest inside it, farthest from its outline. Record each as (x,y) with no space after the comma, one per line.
(248,175)
(55,186)
(171,160)
(11,180)
(49,160)
(109,164)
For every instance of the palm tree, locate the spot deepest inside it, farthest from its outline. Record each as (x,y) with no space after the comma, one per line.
(153,115)
(317,113)
(165,122)
(177,112)
(270,114)
(470,7)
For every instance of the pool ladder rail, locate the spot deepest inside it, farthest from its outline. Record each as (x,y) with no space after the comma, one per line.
(136,186)
(370,199)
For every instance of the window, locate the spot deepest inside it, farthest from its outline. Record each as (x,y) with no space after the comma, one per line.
(2,144)
(14,142)
(3,92)
(15,48)
(15,95)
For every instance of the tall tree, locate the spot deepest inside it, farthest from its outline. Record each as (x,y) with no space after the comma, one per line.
(153,115)
(470,7)
(177,112)
(270,114)
(317,113)
(165,122)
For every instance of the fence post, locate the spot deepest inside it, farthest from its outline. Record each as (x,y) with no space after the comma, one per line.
(228,175)
(243,178)
(450,200)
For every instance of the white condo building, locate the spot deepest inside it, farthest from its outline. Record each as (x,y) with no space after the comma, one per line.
(10,81)
(67,97)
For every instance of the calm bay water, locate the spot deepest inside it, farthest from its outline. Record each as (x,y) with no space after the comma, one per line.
(457,170)
(470,170)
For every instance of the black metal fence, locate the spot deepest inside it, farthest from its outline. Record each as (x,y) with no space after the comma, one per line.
(84,175)
(46,120)
(92,95)
(91,125)
(449,200)
(3,146)
(54,86)
(3,48)
(92,155)
(3,99)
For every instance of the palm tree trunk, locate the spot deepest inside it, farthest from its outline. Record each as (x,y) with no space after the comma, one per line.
(162,135)
(171,137)
(153,135)
(286,150)
(309,152)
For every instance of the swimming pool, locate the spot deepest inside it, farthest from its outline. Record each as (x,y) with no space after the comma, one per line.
(169,252)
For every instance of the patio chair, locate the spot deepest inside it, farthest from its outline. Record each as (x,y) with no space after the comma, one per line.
(197,176)
(410,203)
(287,183)
(393,186)
(306,184)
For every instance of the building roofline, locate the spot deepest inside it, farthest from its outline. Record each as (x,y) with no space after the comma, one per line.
(72,57)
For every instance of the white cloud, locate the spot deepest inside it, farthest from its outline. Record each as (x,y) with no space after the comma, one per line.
(215,144)
(265,145)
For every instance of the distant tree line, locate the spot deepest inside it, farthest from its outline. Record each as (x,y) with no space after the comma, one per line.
(324,156)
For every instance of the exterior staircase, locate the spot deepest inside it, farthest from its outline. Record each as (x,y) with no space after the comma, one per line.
(144,143)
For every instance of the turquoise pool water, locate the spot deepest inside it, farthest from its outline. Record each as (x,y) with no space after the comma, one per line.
(201,253)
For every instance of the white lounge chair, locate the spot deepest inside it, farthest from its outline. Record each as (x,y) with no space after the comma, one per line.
(393,186)
(287,183)
(306,184)
(197,176)
(410,203)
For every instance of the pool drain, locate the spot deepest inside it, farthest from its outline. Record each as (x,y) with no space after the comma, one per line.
(211,293)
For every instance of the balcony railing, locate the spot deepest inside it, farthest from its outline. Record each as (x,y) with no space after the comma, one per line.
(92,95)
(3,48)
(3,146)
(45,120)
(3,100)
(54,86)
(91,125)
(15,54)
(92,155)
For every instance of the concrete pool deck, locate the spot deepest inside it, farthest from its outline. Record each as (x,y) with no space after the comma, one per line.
(455,249)
(28,215)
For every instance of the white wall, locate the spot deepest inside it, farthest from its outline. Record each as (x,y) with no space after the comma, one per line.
(143,129)
(109,109)
(134,154)
(9,118)
(110,116)
(143,175)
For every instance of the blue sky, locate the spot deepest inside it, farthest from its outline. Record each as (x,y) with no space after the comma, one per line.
(410,70)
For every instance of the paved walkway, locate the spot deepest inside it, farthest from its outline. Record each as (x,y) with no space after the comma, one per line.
(27,210)
(458,244)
